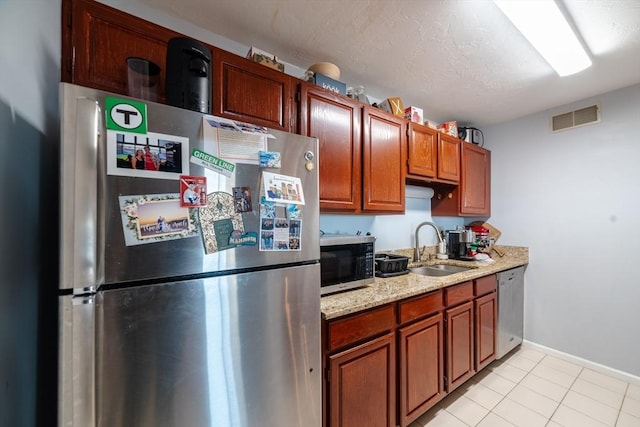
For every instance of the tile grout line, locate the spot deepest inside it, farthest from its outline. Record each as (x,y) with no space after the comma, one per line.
(518,383)
(568,389)
(565,395)
(624,397)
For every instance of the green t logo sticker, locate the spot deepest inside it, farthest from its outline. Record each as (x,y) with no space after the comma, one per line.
(126,115)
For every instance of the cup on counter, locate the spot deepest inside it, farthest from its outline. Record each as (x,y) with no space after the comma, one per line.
(143,79)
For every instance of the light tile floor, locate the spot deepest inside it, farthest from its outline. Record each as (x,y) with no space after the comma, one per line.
(528,388)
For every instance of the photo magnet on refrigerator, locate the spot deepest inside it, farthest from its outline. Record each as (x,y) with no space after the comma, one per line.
(242,199)
(219,221)
(270,159)
(193,191)
(154,218)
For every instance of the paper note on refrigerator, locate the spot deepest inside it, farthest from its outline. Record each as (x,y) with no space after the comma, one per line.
(234,141)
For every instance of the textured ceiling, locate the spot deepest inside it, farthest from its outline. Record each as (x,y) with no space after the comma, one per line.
(457,59)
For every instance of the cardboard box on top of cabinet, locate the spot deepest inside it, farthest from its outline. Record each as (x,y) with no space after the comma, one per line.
(450,128)
(329,83)
(393,106)
(414,114)
(265,58)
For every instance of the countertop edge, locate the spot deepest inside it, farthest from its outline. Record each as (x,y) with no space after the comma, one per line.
(384,291)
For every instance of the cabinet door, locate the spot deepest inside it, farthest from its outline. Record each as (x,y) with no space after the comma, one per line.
(475,186)
(335,121)
(460,348)
(384,160)
(247,91)
(362,386)
(421,367)
(423,151)
(97,40)
(448,157)
(485,324)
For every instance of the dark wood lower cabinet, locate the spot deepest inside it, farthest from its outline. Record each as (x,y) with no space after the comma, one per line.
(486,320)
(389,365)
(362,385)
(421,367)
(460,344)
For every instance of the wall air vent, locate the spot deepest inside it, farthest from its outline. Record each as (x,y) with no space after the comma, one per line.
(573,119)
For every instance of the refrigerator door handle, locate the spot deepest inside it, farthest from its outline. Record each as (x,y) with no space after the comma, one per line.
(77,383)
(82,236)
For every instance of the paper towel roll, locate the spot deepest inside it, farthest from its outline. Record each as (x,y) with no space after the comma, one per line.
(415,192)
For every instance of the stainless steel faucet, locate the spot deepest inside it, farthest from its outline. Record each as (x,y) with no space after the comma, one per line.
(416,250)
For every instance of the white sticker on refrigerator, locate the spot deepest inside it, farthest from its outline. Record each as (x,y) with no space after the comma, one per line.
(155,218)
(153,155)
(206,160)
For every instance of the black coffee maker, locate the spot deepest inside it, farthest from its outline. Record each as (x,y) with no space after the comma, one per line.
(459,243)
(188,75)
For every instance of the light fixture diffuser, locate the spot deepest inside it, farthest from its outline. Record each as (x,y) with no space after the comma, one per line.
(544,25)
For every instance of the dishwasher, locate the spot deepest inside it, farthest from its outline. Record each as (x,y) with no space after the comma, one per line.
(510,310)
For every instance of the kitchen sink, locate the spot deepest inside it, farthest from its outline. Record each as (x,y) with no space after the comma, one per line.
(439,270)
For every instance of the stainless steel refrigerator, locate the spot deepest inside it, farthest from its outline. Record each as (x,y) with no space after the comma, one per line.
(189,290)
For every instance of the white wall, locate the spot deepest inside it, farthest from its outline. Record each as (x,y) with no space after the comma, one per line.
(394,231)
(29,76)
(573,197)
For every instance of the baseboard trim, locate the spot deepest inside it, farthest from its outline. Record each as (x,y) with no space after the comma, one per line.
(621,375)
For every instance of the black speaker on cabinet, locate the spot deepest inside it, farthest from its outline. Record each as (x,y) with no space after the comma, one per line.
(188,75)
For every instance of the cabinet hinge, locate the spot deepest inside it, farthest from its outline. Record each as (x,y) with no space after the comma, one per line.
(327,377)
(298,97)
(70,60)
(444,383)
(69,19)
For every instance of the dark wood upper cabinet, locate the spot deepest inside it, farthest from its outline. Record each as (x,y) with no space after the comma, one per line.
(384,161)
(97,40)
(475,187)
(433,157)
(448,157)
(473,195)
(247,91)
(423,152)
(335,121)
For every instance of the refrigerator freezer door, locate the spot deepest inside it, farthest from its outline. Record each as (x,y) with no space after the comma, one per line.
(241,350)
(91,215)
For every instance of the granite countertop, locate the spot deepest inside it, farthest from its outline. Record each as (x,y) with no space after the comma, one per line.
(392,289)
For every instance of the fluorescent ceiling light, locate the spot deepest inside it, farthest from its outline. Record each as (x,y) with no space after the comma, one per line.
(543,24)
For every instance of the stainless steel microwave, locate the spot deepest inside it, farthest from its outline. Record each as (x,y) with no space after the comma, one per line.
(346,262)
